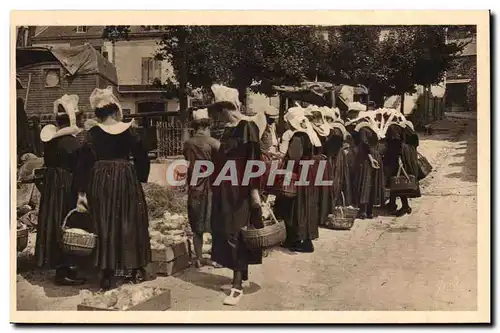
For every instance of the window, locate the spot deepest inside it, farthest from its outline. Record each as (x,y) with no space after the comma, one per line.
(81,29)
(151,70)
(105,55)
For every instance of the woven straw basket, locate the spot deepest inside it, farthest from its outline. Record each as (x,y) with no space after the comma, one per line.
(270,235)
(77,243)
(339,220)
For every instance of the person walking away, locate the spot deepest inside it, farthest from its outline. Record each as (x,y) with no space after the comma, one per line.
(301,212)
(368,187)
(110,186)
(58,195)
(201,147)
(235,205)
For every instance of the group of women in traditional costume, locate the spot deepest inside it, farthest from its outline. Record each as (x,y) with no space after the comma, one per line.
(94,176)
(354,160)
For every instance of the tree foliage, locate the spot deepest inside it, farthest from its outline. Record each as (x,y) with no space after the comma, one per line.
(240,55)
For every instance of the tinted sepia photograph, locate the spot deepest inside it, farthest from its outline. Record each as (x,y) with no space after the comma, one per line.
(250,167)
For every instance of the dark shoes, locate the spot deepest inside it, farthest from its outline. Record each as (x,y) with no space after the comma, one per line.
(140,275)
(403,211)
(68,276)
(305,246)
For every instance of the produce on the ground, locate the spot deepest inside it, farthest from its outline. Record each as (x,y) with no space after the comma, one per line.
(161,198)
(122,298)
(167,231)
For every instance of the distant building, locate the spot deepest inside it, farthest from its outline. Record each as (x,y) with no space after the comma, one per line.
(461,87)
(138,72)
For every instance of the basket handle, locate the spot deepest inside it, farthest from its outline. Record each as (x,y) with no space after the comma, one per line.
(343,198)
(401,168)
(67,216)
(266,204)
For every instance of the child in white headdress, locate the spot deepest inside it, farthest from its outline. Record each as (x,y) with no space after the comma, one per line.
(58,196)
(110,187)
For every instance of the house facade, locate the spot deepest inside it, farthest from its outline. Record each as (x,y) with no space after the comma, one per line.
(461,87)
(139,74)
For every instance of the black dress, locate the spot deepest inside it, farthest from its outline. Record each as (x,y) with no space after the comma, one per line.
(324,193)
(58,197)
(231,204)
(301,214)
(401,143)
(340,173)
(115,197)
(369,183)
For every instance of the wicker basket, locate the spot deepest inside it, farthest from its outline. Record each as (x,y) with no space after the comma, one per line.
(270,235)
(22,239)
(76,243)
(349,212)
(338,220)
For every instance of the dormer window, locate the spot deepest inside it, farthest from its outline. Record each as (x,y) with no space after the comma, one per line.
(81,29)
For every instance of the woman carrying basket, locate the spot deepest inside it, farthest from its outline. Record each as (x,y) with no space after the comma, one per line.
(324,132)
(402,143)
(334,149)
(301,213)
(58,195)
(235,205)
(369,182)
(112,186)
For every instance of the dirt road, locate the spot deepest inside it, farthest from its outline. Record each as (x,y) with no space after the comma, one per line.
(424,261)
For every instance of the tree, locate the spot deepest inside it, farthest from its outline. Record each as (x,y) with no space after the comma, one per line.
(238,55)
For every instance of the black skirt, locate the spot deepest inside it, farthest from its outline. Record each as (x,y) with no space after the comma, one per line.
(231,211)
(341,175)
(369,183)
(57,199)
(118,209)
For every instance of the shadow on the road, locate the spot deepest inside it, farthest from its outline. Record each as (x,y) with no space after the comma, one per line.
(283,250)
(211,281)
(45,279)
(468,166)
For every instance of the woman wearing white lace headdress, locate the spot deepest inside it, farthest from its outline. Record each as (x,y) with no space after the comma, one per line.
(323,130)
(57,194)
(334,150)
(300,213)
(112,186)
(402,143)
(235,205)
(368,176)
